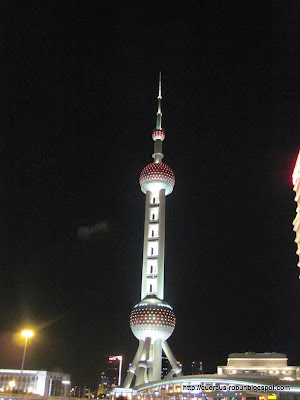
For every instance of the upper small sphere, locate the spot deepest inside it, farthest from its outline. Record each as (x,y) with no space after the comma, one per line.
(157,176)
(153,318)
(158,134)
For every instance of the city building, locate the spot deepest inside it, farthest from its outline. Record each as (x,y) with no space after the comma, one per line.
(260,364)
(104,386)
(111,375)
(43,383)
(112,370)
(165,367)
(196,368)
(152,320)
(296,222)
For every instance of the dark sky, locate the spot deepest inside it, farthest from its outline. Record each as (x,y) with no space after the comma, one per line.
(79,87)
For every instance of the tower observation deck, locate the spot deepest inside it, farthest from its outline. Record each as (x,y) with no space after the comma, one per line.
(152,320)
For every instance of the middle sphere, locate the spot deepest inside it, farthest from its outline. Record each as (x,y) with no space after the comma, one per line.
(157,176)
(152,318)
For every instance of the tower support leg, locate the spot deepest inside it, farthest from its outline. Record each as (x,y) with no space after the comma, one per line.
(133,366)
(156,366)
(141,375)
(176,369)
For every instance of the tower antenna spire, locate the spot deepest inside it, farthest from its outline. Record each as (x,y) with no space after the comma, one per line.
(159,85)
(159,98)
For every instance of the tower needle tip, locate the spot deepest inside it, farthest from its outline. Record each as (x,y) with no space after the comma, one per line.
(159,85)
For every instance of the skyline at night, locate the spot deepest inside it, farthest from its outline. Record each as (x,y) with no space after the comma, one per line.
(78,95)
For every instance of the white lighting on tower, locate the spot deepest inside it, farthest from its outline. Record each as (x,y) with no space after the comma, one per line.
(152,320)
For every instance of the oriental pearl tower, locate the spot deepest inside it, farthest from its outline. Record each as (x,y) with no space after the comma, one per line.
(152,320)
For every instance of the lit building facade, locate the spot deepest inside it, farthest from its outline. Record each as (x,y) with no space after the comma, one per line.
(43,383)
(112,371)
(152,320)
(260,364)
(165,367)
(104,386)
(296,222)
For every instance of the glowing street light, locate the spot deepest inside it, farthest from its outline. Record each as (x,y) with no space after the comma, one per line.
(26,333)
(65,383)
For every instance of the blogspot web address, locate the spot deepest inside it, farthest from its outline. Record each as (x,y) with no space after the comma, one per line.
(244,388)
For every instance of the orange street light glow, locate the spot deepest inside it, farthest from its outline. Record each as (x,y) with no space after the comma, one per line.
(27,333)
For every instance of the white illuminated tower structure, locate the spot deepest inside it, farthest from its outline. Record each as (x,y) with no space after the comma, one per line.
(152,320)
(296,222)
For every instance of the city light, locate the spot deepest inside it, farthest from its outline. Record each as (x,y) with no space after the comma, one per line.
(65,382)
(27,333)
(11,384)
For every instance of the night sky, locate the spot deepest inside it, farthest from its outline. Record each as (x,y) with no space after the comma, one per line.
(79,87)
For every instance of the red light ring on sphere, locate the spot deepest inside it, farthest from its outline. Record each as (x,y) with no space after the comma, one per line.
(154,316)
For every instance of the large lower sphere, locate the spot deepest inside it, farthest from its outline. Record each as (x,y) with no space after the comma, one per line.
(152,318)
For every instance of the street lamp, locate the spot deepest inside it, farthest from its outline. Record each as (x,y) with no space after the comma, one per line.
(65,383)
(26,333)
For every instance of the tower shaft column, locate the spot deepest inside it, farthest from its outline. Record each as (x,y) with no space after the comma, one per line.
(161,245)
(154,245)
(145,258)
